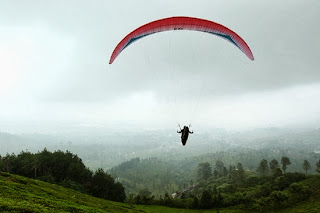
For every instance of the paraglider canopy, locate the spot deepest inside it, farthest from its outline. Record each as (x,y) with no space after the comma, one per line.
(182,23)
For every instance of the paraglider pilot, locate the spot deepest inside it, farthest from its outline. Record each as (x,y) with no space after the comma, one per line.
(184,134)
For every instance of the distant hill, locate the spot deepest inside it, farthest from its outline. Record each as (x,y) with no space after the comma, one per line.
(160,175)
(108,149)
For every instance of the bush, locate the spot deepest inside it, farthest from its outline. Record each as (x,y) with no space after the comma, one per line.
(298,192)
(295,188)
(277,198)
(286,180)
(226,188)
(233,199)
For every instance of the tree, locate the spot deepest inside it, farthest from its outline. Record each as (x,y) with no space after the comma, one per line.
(8,163)
(220,167)
(137,199)
(240,167)
(167,200)
(238,174)
(146,197)
(318,166)
(225,171)
(103,186)
(118,192)
(25,164)
(277,172)
(206,200)
(217,200)
(263,168)
(195,203)
(306,166)
(204,171)
(273,165)
(285,161)
(231,168)
(66,169)
(240,171)
(215,173)
(130,199)
(277,198)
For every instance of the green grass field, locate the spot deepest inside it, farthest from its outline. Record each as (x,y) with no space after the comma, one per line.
(20,194)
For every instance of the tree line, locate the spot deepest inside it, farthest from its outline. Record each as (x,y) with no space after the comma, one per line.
(264,168)
(66,169)
(273,167)
(267,187)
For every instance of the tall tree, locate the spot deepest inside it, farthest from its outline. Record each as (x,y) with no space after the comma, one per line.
(277,172)
(240,171)
(25,164)
(238,174)
(318,166)
(285,161)
(215,173)
(204,171)
(206,200)
(225,171)
(263,168)
(7,163)
(104,186)
(306,166)
(273,165)
(240,167)
(195,203)
(220,167)
(231,168)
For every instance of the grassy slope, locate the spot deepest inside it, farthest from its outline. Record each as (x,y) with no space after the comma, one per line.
(20,194)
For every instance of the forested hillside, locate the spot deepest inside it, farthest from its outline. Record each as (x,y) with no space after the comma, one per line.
(20,194)
(272,176)
(174,175)
(66,169)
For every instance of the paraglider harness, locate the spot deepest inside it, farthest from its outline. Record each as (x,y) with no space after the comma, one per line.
(184,134)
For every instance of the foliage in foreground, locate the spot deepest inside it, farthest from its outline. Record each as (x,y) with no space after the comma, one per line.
(66,169)
(20,194)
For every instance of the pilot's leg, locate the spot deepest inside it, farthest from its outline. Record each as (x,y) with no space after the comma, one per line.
(184,141)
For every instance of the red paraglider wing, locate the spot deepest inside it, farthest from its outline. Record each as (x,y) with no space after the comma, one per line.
(182,23)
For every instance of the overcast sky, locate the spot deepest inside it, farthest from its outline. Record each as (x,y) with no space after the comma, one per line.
(54,69)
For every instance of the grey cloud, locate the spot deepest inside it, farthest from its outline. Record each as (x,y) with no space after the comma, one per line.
(283,36)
